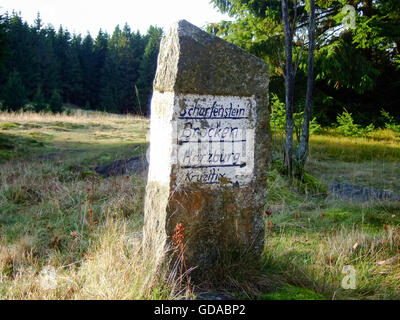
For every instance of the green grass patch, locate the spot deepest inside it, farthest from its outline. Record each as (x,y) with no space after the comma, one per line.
(293,293)
(8,126)
(354,149)
(13,146)
(65,125)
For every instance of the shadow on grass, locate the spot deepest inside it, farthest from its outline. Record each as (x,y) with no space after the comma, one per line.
(12,146)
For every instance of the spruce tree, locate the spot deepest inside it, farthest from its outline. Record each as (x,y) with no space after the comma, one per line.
(56,102)
(148,67)
(4,50)
(13,93)
(39,102)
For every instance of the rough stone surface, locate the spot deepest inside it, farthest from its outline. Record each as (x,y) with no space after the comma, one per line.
(347,191)
(193,61)
(210,143)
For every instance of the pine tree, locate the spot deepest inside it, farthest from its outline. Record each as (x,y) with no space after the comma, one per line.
(100,54)
(39,101)
(86,56)
(74,85)
(4,49)
(62,50)
(13,93)
(55,102)
(21,41)
(148,67)
(50,71)
(105,73)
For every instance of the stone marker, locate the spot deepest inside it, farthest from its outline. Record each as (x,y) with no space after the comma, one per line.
(209,147)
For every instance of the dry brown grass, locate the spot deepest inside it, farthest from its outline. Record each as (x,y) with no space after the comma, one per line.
(78,116)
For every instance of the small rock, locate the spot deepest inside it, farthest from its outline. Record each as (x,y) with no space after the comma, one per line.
(131,165)
(214,296)
(353,192)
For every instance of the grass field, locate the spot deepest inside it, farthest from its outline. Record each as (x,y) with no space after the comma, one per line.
(67,233)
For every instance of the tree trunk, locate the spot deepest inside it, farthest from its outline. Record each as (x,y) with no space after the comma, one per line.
(367,8)
(302,150)
(289,86)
